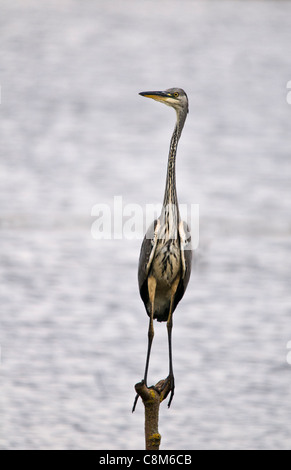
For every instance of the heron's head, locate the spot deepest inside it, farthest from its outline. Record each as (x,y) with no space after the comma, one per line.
(174,97)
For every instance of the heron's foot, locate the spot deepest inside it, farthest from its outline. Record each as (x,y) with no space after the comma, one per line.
(140,384)
(135,402)
(169,387)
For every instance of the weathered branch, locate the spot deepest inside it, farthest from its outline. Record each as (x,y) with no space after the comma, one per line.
(152,398)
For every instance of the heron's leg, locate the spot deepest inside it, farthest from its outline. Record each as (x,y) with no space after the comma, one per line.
(169,328)
(152,283)
(171,374)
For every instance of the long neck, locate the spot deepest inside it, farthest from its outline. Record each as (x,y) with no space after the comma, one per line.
(170,196)
(170,212)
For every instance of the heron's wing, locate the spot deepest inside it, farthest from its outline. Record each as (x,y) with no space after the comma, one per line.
(147,252)
(186,261)
(146,257)
(186,250)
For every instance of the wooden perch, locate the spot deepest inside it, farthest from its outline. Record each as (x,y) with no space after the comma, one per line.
(152,398)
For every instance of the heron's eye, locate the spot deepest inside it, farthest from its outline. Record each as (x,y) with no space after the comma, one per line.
(176,94)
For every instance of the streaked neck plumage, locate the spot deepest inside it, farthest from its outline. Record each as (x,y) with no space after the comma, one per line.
(170,204)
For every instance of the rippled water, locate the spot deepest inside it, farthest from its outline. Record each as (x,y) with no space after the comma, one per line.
(74,133)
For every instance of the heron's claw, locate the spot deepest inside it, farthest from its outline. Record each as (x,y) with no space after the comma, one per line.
(135,402)
(169,386)
(137,395)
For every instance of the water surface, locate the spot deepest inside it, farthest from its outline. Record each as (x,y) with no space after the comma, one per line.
(74,133)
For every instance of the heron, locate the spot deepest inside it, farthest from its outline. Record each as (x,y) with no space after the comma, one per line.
(165,258)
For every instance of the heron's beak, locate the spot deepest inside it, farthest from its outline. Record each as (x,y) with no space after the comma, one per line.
(156,95)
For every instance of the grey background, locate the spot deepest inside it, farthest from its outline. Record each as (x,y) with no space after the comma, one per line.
(75,133)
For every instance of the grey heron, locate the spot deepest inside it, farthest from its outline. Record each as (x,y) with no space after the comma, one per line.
(165,257)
